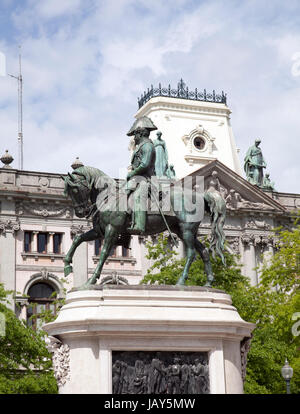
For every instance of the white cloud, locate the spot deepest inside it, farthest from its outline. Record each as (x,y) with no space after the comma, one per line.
(84,71)
(49,9)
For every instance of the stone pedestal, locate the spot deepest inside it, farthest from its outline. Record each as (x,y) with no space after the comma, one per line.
(93,324)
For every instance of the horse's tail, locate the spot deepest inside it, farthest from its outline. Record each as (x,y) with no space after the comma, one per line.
(217,207)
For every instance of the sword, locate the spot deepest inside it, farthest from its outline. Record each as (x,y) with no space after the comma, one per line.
(163,216)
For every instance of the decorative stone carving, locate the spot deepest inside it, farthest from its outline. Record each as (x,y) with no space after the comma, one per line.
(215,183)
(44,274)
(234,244)
(60,358)
(235,201)
(77,163)
(248,238)
(77,229)
(21,301)
(44,182)
(255,224)
(232,227)
(245,347)
(143,372)
(42,210)
(199,131)
(6,159)
(9,226)
(114,279)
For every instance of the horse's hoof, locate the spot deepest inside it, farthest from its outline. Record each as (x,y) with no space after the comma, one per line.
(68,269)
(87,284)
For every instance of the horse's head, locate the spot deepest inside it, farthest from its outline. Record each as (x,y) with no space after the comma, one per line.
(78,188)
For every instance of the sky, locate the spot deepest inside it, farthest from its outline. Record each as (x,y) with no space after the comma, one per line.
(86,62)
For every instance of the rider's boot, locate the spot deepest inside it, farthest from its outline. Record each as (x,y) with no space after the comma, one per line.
(139,223)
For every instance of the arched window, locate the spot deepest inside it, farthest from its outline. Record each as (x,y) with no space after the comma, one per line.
(41,298)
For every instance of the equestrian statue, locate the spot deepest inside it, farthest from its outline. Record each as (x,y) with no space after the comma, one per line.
(118,209)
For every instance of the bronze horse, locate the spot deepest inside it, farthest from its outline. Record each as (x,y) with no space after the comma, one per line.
(89,189)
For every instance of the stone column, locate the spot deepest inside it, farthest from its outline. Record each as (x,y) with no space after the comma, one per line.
(269,251)
(35,241)
(249,258)
(8,231)
(80,259)
(50,247)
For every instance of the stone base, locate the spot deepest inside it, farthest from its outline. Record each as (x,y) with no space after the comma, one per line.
(95,323)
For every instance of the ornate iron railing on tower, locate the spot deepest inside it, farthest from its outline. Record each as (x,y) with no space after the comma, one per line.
(181,92)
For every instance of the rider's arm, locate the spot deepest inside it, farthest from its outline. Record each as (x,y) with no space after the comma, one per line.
(145,161)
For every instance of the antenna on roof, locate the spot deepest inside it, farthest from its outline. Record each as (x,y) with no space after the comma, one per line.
(20,110)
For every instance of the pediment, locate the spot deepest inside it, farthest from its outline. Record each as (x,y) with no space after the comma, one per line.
(238,193)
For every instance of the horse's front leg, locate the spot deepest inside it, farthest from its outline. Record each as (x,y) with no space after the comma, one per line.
(204,253)
(188,239)
(110,239)
(88,236)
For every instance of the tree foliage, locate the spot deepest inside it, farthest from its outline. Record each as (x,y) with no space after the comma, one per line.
(273,305)
(25,362)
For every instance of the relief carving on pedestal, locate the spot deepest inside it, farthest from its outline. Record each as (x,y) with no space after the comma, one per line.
(60,359)
(245,347)
(142,372)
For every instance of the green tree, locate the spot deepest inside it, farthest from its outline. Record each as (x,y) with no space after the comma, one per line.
(25,363)
(270,305)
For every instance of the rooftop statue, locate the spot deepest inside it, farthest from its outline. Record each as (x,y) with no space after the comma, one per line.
(267,183)
(254,164)
(161,160)
(120,209)
(171,172)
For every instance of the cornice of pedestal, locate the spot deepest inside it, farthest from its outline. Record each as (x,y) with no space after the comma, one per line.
(157,311)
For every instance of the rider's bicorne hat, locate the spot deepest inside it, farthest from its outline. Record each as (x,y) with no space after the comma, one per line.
(142,123)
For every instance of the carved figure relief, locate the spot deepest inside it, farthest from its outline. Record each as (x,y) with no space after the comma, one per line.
(60,358)
(256,224)
(235,201)
(143,372)
(245,347)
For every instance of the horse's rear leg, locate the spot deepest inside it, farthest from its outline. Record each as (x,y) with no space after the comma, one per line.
(188,239)
(204,253)
(110,239)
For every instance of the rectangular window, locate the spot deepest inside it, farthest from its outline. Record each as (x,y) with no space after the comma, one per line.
(27,241)
(42,242)
(57,243)
(113,252)
(125,252)
(97,247)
